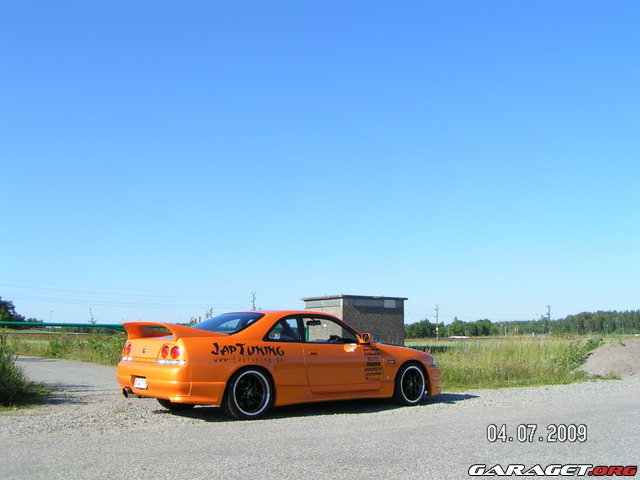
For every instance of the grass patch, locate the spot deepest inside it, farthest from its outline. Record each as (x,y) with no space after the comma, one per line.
(509,363)
(15,389)
(96,348)
(103,349)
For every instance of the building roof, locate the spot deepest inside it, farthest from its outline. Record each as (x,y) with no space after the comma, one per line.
(329,297)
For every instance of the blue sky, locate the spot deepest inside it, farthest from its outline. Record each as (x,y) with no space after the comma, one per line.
(160,158)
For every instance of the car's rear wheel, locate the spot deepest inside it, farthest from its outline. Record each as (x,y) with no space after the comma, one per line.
(410,385)
(175,407)
(249,394)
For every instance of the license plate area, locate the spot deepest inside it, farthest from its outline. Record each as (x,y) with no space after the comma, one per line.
(140,383)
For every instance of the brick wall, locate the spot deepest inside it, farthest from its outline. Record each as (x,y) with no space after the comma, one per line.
(387,322)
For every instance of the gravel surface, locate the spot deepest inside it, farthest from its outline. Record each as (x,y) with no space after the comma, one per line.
(88,430)
(619,359)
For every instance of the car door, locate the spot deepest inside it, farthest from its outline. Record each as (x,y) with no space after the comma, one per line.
(290,369)
(334,359)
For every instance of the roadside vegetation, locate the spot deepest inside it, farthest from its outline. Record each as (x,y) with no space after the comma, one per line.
(478,363)
(105,349)
(514,362)
(15,389)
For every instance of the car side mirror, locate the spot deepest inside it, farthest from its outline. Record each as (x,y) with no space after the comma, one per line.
(365,338)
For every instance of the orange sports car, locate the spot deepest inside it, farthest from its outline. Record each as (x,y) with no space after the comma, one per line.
(248,362)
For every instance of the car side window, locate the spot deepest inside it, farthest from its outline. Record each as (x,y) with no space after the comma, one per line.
(325,330)
(285,330)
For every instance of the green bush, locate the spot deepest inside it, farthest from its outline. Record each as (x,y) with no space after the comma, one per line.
(577,351)
(104,349)
(15,389)
(56,347)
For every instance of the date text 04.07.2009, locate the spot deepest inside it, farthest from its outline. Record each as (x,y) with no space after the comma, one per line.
(529,432)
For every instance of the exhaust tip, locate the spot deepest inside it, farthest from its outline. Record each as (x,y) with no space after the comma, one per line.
(126,391)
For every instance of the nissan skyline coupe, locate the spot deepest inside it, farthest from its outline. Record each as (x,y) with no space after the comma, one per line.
(248,362)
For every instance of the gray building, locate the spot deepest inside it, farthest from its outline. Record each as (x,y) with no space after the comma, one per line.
(382,317)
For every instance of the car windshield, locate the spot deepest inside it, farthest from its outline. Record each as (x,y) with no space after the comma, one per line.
(229,323)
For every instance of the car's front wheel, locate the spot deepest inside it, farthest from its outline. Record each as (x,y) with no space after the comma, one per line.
(410,385)
(249,394)
(175,407)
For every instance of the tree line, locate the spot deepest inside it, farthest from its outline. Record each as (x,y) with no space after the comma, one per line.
(603,323)
(8,313)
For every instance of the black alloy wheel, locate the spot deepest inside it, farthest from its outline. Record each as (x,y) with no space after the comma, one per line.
(410,385)
(249,394)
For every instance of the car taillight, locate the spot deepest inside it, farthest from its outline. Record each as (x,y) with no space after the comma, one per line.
(170,355)
(126,352)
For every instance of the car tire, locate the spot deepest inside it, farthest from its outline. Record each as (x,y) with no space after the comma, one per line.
(249,394)
(410,385)
(175,407)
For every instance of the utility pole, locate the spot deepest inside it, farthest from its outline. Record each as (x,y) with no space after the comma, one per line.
(253,301)
(549,318)
(437,328)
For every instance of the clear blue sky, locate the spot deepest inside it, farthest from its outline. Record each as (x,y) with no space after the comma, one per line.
(159,158)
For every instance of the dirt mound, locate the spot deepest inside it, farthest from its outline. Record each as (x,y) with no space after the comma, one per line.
(620,359)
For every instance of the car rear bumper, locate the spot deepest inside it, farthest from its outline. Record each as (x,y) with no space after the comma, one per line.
(170,382)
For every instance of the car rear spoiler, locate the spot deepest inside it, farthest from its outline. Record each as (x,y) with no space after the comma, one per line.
(145,329)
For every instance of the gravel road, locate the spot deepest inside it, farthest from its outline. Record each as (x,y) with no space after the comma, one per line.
(89,431)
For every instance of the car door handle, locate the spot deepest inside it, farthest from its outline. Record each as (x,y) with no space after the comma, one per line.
(312,352)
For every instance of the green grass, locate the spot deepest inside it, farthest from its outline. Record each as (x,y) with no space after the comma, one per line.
(94,348)
(508,363)
(15,389)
